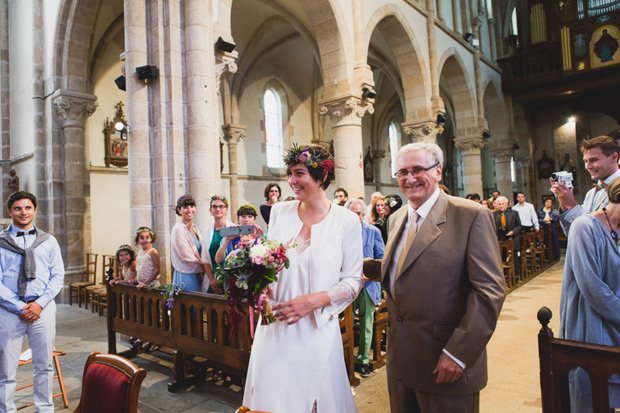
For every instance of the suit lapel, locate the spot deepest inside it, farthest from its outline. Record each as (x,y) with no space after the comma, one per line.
(428,232)
(397,224)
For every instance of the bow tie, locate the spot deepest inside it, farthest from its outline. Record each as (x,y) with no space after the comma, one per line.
(601,186)
(22,233)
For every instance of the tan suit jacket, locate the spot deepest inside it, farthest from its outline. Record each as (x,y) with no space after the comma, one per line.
(448,295)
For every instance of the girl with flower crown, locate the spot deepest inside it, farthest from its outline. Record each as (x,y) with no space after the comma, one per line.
(297,363)
(147,260)
(126,257)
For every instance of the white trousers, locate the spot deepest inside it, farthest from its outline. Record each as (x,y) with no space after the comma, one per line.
(41,336)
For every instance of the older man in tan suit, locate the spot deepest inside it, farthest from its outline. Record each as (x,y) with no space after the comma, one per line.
(445,288)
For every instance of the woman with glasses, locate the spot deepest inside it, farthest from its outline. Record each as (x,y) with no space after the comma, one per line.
(297,363)
(218,207)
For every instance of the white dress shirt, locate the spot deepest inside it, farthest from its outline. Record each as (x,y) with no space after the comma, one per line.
(527,215)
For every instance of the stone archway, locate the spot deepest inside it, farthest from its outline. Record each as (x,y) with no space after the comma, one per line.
(500,142)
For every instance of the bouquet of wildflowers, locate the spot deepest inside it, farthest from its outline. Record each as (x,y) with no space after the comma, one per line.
(246,273)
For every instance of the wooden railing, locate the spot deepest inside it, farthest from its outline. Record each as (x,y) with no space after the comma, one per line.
(196,325)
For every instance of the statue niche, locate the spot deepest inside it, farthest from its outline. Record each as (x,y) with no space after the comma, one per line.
(115,141)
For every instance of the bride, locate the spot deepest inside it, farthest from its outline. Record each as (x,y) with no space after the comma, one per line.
(297,363)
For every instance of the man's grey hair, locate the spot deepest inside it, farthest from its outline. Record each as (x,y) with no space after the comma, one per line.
(356,201)
(502,198)
(433,152)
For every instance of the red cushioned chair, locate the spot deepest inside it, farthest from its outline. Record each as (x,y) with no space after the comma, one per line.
(111,383)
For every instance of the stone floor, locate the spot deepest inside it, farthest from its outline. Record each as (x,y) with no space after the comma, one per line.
(513,361)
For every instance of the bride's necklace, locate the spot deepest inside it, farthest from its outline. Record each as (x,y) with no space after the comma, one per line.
(614,234)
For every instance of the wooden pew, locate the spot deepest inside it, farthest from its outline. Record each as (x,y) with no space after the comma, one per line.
(508,255)
(558,357)
(196,325)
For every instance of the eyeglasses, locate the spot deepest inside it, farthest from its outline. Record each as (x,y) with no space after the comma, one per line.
(218,206)
(416,172)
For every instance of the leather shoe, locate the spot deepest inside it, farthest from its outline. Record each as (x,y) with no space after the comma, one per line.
(363,369)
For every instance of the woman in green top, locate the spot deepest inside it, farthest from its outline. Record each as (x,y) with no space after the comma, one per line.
(211,237)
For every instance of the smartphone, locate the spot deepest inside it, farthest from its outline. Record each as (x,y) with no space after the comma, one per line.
(236,231)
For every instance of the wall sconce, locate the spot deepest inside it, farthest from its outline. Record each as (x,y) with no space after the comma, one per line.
(468,36)
(121,83)
(486,135)
(368,92)
(441,118)
(224,46)
(123,129)
(147,72)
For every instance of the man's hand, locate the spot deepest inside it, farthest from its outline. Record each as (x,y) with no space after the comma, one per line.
(563,194)
(447,370)
(31,312)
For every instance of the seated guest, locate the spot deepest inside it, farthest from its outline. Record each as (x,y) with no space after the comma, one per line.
(590,300)
(547,217)
(272,195)
(370,296)
(527,214)
(246,215)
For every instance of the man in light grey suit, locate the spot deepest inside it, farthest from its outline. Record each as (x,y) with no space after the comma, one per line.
(444,290)
(600,156)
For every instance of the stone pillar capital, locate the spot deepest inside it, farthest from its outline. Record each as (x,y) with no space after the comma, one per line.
(225,62)
(233,134)
(426,131)
(525,160)
(502,154)
(73,107)
(348,110)
(378,153)
(470,143)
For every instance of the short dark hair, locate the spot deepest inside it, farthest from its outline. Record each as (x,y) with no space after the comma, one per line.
(473,197)
(608,145)
(268,188)
(520,193)
(183,201)
(344,191)
(18,196)
(319,174)
(246,210)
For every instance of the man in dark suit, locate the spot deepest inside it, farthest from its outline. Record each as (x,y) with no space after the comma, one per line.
(507,222)
(444,290)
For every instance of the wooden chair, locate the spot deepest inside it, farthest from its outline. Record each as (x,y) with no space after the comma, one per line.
(379,329)
(548,241)
(100,295)
(506,250)
(558,357)
(111,383)
(90,273)
(346,329)
(541,251)
(525,258)
(61,382)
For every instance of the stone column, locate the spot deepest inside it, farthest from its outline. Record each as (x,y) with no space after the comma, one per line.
(201,98)
(525,177)
(456,17)
(377,156)
(233,134)
(437,105)
(137,103)
(503,171)
(492,38)
(346,115)
(423,131)
(439,11)
(73,108)
(472,166)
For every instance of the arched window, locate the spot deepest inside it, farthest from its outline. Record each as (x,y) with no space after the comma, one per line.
(394,135)
(272,106)
(513,19)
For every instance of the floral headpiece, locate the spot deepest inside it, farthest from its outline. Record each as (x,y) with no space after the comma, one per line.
(124,247)
(145,229)
(306,155)
(219,198)
(248,206)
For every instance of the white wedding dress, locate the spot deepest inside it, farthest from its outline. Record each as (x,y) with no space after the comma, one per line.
(299,368)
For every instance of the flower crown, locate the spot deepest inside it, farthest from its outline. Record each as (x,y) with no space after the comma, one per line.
(248,206)
(220,198)
(306,155)
(145,229)
(391,201)
(124,247)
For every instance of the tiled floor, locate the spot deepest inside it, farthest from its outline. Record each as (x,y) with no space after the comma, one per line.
(513,362)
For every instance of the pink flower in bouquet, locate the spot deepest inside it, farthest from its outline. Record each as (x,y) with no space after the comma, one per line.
(303,157)
(258,260)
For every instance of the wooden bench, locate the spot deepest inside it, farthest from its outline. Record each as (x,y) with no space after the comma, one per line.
(558,357)
(196,325)
(507,253)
